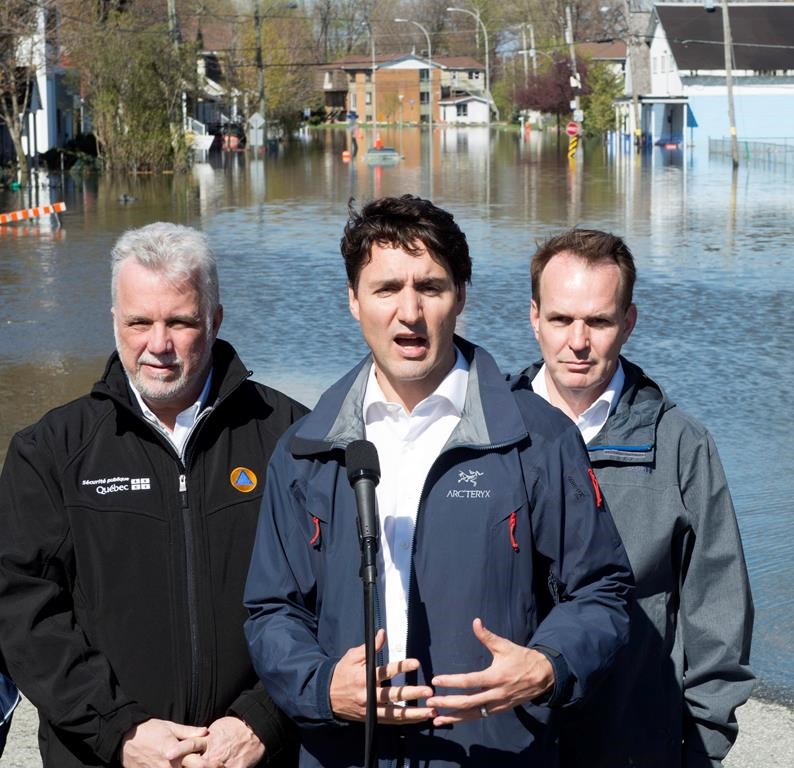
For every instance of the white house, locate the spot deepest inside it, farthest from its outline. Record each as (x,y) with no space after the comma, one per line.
(464,110)
(688,100)
(53,120)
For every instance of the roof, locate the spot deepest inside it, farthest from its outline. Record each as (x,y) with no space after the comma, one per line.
(762,39)
(614,50)
(364,62)
(461,99)
(215,36)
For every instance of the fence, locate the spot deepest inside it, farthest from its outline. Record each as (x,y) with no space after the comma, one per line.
(768,151)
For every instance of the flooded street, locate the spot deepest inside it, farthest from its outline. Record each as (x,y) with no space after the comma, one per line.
(715,291)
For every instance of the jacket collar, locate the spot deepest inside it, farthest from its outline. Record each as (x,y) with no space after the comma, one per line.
(629,434)
(228,373)
(490,415)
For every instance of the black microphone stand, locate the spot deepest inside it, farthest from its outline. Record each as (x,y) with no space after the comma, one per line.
(369,576)
(363,473)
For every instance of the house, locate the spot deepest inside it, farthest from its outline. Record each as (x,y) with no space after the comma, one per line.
(612,53)
(217,100)
(464,110)
(688,100)
(408,87)
(54,110)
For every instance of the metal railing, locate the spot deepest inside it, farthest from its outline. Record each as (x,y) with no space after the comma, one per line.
(770,151)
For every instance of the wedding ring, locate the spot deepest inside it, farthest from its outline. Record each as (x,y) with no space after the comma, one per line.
(484,711)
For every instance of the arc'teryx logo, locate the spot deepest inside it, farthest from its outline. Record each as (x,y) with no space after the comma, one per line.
(469,477)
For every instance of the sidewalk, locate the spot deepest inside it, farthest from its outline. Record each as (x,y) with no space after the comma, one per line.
(766,738)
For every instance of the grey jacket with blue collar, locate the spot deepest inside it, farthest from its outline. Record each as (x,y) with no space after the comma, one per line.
(670,699)
(507,509)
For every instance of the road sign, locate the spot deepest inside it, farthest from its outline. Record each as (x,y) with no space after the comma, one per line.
(572,129)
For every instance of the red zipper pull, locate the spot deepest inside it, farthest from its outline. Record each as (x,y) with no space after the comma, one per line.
(513,522)
(316,538)
(596,487)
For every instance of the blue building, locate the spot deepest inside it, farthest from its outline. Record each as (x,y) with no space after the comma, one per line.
(687,104)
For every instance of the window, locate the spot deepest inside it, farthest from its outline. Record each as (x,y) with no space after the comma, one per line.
(474,75)
(462,110)
(352,102)
(368,97)
(368,77)
(424,75)
(424,97)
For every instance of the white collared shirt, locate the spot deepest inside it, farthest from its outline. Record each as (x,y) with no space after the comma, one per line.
(591,421)
(185,420)
(408,444)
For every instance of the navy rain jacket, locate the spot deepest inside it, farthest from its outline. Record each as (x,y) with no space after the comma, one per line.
(533,531)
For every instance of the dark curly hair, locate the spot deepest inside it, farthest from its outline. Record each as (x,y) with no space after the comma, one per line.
(405,222)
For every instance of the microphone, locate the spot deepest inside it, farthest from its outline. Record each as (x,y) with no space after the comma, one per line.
(363,474)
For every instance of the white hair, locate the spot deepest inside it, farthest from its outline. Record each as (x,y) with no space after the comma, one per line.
(180,254)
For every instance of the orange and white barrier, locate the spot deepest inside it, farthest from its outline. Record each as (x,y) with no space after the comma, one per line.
(32,213)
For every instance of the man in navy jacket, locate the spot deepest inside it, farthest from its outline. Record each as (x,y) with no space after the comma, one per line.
(504,583)
(9,698)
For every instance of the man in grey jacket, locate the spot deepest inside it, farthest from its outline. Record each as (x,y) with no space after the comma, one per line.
(670,700)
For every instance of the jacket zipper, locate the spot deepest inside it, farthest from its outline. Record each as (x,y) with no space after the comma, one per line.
(192,596)
(191,588)
(188,529)
(419,509)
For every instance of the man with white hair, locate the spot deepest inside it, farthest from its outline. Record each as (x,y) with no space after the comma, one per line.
(128,518)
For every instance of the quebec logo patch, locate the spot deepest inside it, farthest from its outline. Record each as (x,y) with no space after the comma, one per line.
(243,479)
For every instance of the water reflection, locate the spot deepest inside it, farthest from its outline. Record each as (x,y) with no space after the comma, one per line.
(715,292)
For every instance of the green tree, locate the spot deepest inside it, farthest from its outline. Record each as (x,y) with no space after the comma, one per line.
(133,79)
(602,87)
(289,77)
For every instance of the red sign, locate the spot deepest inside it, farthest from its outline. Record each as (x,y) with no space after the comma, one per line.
(572,129)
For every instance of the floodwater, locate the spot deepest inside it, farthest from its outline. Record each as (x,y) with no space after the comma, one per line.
(715,255)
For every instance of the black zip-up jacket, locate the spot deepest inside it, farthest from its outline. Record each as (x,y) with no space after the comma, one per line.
(122,567)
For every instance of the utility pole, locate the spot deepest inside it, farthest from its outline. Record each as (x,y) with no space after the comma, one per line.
(532,50)
(173,29)
(576,83)
(728,48)
(524,50)
(374,88)
(177,129)
(260,71)
(633,45)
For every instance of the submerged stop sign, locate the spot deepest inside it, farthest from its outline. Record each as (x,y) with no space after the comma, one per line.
(572,129)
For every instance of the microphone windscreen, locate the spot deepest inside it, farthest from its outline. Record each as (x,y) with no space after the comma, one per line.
(361,460)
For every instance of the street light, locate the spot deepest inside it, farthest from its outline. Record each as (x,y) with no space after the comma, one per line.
(476,16)
(429,62)
(373,86)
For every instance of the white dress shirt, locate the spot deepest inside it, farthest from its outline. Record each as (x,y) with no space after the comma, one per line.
(408,444)
(185,420)
(593,418)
